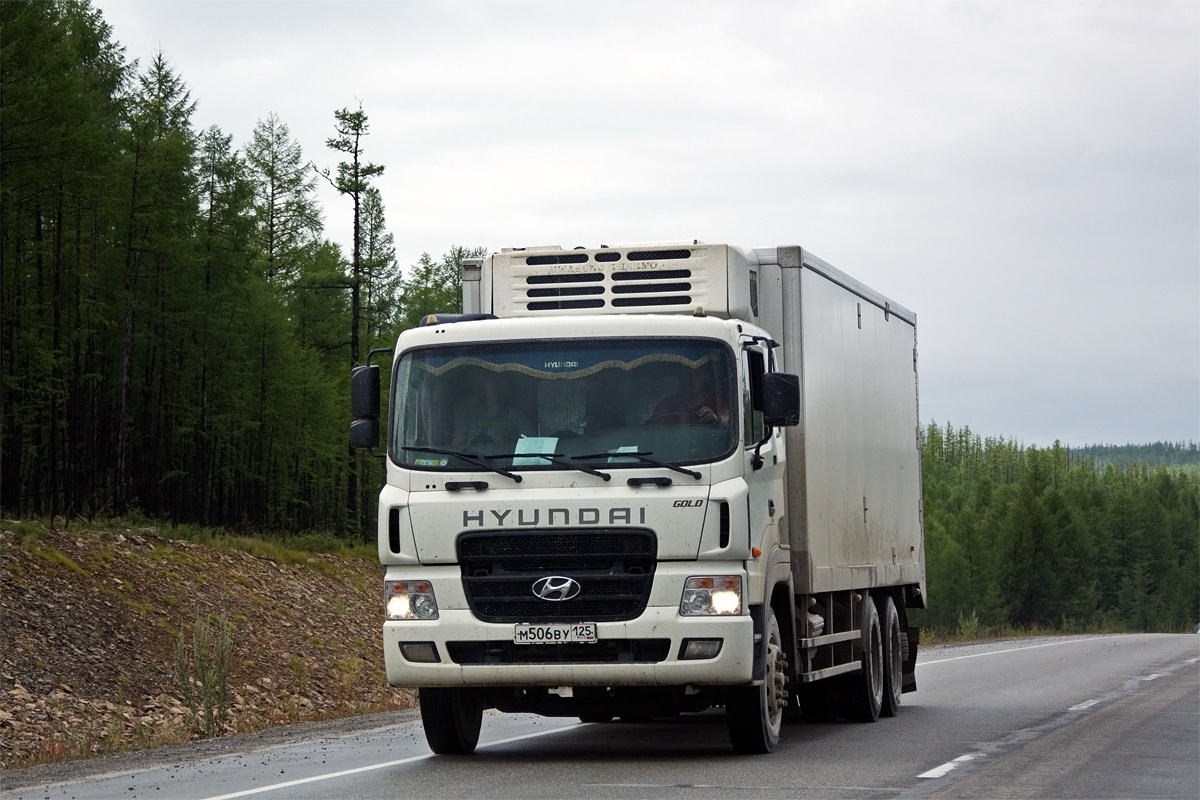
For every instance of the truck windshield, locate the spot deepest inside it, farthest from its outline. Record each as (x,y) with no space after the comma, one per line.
(583,402)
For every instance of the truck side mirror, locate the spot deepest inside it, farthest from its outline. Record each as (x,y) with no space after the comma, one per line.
(781,399)
(364,434)
(364,406)
(364,392)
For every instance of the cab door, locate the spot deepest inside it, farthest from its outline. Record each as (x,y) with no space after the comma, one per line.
(762,455)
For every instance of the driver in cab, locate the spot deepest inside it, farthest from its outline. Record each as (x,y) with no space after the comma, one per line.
(489,417)
(696,404)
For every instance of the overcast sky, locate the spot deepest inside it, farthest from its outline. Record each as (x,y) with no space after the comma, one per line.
(1025,176)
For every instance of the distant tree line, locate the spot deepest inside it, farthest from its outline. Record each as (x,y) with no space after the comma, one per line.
(1168,454)
(176,331)
(1026,536)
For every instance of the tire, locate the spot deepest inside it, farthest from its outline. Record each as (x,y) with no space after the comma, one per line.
(755,713)
(864,690)
(893,659)
(452,719)
(596,718)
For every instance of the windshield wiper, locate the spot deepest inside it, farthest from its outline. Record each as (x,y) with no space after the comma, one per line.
(642,457)
(554,459)
(470,458)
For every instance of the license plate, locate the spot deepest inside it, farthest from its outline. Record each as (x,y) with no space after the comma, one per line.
(555,633)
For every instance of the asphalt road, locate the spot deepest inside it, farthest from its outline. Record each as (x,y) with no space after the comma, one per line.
(1071,717)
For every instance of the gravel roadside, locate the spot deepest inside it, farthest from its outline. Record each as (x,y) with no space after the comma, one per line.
(135,761)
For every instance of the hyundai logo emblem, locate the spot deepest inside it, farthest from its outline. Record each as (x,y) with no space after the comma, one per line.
(556,588)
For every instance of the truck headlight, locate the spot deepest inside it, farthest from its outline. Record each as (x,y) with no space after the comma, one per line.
(712,595)
(409,600)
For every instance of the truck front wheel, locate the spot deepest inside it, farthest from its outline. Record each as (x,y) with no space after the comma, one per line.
(452,719)
(755,713)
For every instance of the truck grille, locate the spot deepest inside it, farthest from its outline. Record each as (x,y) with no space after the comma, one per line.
(614,569)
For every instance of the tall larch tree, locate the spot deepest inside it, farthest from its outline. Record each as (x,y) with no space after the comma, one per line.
(353,180)
(214,420)
(287,218)
(163,208)
(380,273)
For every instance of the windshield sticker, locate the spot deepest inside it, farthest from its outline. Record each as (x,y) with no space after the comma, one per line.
(430,462)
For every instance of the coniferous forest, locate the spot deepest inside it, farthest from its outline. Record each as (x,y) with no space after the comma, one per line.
(1053,538)
(177,336)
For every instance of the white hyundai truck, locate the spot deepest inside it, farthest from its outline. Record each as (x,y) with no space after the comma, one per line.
(630,482)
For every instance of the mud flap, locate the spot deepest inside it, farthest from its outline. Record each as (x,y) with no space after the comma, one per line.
(756,614)
(909,670)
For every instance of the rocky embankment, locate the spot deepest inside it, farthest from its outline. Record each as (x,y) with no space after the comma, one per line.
(98,645)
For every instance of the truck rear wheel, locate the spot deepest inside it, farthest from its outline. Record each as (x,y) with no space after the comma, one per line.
(452,719)
(755,713)
(864,691)
(893,659)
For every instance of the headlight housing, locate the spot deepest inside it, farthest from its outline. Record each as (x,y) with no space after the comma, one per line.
(409,600)
(712,596)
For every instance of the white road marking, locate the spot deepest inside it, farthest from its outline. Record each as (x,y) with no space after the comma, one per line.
(999,652)
(1089,703)
(370,767)
(944,769)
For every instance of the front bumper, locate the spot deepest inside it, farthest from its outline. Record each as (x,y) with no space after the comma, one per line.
(641,652)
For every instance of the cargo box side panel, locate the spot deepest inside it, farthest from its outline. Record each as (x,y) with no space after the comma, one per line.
(862,479)
(893,458)
(834,435)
